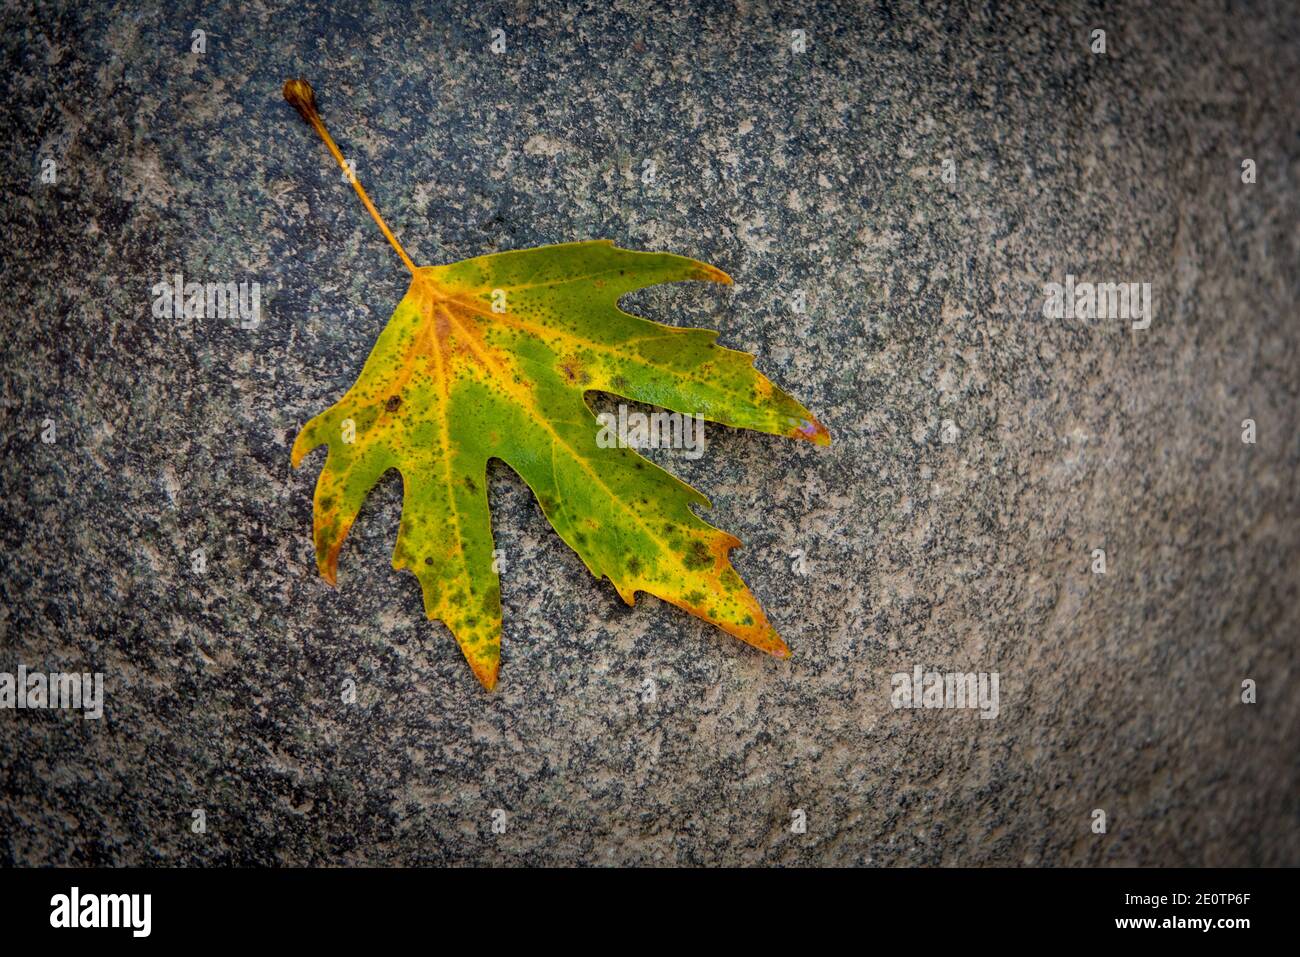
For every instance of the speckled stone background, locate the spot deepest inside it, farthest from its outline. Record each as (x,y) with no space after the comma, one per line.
(818,172)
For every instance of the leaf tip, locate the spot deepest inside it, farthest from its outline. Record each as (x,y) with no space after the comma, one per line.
(761,636)
(306,442)
(328,564)
(486,674)
(299,94)
(712,274)
(769,641)
(810,430)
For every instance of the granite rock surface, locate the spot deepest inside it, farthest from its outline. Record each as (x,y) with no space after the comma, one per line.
(916,178)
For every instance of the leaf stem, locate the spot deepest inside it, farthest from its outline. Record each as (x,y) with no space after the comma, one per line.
(302,98)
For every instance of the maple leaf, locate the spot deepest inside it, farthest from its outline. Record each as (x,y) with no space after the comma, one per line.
(492,358)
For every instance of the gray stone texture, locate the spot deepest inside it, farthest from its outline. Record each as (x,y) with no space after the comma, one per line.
(818,171)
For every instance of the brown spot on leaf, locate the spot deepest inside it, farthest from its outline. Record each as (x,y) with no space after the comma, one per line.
(573,372)
(697,556)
